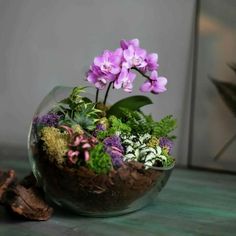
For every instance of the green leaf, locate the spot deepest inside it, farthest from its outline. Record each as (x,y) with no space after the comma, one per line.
(228,93)
(132,103)
(65,101)
(164,127)
(87,100)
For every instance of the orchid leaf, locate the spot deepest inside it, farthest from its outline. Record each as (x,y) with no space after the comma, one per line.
(227,92)
(131,103)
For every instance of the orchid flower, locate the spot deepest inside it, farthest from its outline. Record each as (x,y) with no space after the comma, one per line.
(155,85)
(125,80)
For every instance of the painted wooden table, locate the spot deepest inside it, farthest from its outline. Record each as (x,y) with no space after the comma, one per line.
(192,203)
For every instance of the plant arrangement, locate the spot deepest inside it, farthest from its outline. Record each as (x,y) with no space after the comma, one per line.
(100,144)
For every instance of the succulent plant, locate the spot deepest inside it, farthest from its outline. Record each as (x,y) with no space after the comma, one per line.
(79,146)
(77,110)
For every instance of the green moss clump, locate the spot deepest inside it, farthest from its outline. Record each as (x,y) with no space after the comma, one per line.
(115,125)
(55,143)
(99,161)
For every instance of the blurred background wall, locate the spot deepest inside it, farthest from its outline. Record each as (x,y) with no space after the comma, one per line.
(52,42)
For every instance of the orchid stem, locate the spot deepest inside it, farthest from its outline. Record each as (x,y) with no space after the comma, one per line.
(105,98)
(97,92)
(140,72)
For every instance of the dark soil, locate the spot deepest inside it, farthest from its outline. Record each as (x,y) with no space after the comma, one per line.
(97,193)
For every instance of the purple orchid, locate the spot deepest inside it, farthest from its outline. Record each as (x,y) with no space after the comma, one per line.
(134,57)
(125,80)
(105,68)
(124,44)
(155,84)
(114,68)
(109,62)
(96,77)
(152,61)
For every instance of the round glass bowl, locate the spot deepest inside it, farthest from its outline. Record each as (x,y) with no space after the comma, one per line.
(127,189)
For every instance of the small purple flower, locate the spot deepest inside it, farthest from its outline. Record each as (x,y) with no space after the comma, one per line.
(124,44)
(99,127)
(134,57)
(152,61)
(49,119)
(167,144)
(116,157)
(155,84)
(114,148)
(115,141)
(125,80)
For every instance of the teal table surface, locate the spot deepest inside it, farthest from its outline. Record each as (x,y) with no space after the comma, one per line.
(192,203)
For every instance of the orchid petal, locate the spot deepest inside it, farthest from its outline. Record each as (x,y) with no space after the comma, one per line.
(98,61)
(159,85)
(140,53)
(146,87)
(129,53)
(154,75)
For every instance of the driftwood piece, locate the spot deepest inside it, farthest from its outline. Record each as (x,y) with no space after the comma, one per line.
(6,180)
(23,198)
(28,202)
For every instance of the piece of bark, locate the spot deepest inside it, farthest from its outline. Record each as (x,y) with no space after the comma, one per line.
(28,202)
(29,181)
(6,180)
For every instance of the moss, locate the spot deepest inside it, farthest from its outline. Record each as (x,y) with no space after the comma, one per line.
(99,161)
(55,143)
(115,125)
(153,142)
(119,125)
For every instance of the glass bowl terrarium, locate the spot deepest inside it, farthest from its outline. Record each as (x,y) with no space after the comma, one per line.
(101,160)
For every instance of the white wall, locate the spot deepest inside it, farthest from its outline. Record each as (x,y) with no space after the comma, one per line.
(52,42)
